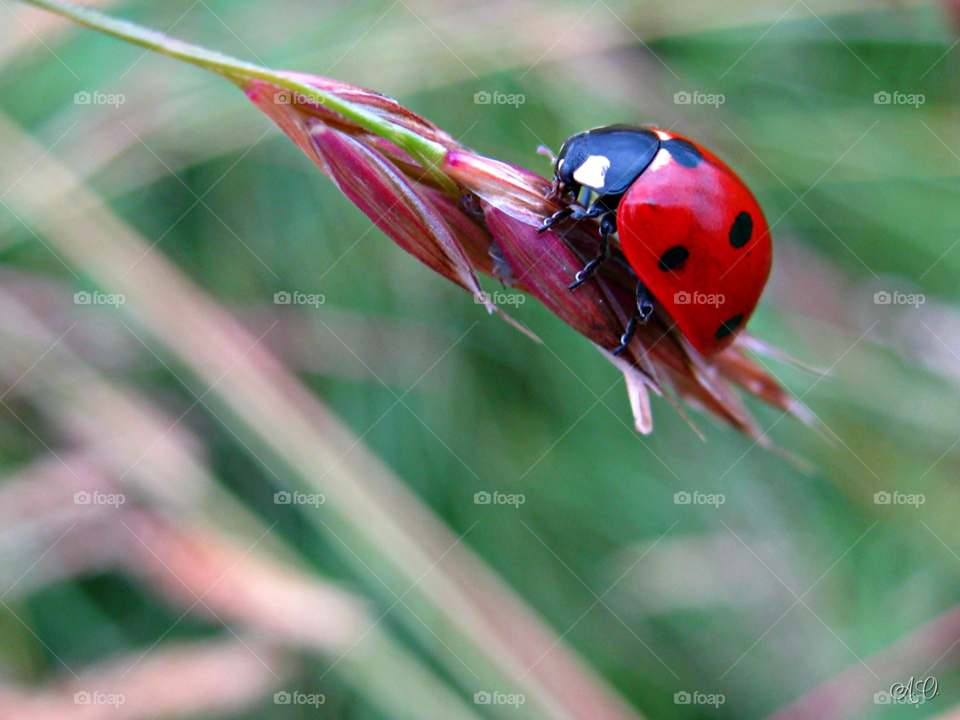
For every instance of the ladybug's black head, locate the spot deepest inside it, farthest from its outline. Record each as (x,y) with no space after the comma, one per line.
(607,160)
(570,158)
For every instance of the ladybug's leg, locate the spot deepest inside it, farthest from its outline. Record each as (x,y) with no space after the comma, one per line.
(627,336)
(575,211)
(644,302)
(608,226)
(557,217)
(641,314)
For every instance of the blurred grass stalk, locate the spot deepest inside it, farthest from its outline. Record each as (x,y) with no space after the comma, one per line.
(478,629)
(429,153)
(183,536)
(181,680)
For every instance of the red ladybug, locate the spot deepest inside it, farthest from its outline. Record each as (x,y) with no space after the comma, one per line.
(691,230)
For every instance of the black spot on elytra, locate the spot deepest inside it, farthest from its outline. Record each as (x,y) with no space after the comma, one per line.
(741,230)
(683,151)
(673,258)
(728,327)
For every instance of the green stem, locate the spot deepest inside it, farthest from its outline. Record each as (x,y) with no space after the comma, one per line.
(430,153)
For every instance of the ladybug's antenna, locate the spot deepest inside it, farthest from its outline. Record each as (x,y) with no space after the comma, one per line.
(544,150)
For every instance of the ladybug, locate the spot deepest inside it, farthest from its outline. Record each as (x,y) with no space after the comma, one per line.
(690,228)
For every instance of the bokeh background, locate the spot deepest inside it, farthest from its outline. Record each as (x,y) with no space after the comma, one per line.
(398,398)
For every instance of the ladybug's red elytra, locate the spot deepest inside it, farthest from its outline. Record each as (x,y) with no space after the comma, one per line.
(690,228)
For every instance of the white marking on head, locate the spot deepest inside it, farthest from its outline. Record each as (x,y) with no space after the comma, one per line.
(663,135)
(661,159)
(593,171)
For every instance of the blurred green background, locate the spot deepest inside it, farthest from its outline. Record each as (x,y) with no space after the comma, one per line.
(863,198)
